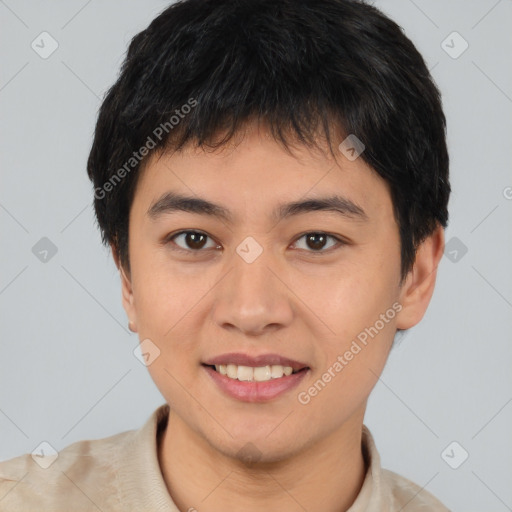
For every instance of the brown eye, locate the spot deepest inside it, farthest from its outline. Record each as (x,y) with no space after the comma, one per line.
(316,241)
(192,240)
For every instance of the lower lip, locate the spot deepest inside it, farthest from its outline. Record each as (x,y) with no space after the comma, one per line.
(256,391)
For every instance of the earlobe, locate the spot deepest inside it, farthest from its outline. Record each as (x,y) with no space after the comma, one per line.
(417,291)
(128,300)
(127,293)
(132,326)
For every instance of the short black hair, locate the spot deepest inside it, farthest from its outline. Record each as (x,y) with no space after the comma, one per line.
(203,69)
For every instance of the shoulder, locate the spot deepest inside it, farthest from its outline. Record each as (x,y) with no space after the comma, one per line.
(390,491)
(75,478)
(402,491)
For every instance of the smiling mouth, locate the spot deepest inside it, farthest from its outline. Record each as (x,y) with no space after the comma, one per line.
(255,374)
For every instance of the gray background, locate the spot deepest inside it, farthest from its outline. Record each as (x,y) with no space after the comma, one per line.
(67,367)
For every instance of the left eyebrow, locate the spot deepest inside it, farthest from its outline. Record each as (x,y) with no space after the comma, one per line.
(172,202)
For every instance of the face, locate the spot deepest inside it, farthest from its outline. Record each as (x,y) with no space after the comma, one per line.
(253,283)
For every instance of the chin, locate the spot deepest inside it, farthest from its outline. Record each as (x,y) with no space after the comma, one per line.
(255,450)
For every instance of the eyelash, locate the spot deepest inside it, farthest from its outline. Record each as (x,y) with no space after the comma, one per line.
(171,238)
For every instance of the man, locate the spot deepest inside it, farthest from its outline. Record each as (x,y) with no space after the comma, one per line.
(272,180)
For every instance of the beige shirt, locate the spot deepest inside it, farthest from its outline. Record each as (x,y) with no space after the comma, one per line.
(122,473)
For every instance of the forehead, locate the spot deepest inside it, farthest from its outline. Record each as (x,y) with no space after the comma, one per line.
(256,175)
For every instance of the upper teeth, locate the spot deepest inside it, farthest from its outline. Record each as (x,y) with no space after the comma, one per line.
(258,374)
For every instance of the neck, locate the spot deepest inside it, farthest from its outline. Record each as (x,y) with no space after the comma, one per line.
(327,475)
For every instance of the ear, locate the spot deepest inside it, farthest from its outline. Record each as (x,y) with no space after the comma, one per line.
(418,287)
(126,291)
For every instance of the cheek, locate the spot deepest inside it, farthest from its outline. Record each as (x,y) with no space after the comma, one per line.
(348,300)
(163,293)
(359,307)
(167,304)
(351,364)
(170,312)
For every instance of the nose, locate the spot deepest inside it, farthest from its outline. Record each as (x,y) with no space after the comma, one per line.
(253,298)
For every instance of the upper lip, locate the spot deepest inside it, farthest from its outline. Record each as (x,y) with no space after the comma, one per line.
(241,359)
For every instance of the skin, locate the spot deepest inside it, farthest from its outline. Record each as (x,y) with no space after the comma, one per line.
(292,300)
